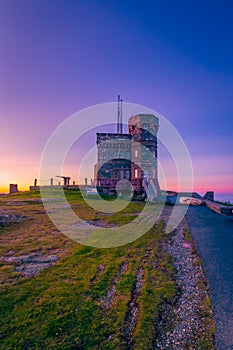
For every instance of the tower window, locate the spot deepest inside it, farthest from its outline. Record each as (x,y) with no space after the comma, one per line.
(127,155)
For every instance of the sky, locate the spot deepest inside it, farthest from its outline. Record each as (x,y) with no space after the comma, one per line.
(58,57)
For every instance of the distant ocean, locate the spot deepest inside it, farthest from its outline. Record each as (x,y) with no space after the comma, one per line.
(224,197)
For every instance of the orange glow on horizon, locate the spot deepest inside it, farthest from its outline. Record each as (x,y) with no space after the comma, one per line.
(171,187)
(5,189)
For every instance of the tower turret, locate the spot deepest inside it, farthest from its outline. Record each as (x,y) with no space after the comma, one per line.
(143,129)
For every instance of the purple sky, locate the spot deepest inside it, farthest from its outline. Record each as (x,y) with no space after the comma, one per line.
(58,57)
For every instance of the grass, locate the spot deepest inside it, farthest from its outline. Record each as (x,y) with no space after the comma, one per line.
(61,308)
(207,318)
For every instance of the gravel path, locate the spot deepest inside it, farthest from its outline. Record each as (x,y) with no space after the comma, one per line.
(180,326)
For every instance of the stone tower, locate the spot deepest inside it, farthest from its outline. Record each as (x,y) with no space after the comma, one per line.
(113,163)
(143,130)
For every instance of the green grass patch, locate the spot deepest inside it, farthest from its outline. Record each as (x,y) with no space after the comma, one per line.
(60,307)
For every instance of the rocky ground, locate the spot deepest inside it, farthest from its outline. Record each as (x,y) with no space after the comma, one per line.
(30,265)
(27,264)
(7,218)
(181,324)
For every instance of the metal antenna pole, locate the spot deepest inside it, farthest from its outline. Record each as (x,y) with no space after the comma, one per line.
(121,119)
(119,115)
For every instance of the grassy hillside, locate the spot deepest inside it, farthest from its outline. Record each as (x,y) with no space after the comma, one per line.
(90,298)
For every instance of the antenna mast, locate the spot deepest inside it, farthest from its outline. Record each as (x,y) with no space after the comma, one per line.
(119,115)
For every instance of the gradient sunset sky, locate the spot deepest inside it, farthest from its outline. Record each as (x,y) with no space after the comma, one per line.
(58,57)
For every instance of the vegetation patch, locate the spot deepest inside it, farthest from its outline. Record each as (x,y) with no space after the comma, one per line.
(87,298)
